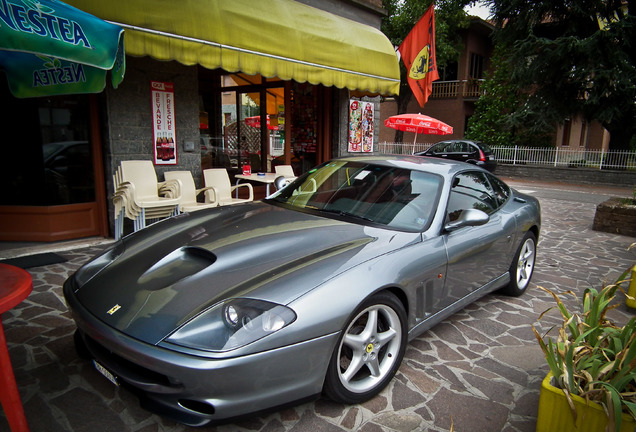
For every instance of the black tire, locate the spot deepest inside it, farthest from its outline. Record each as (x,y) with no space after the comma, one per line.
(522,267)
(369,351)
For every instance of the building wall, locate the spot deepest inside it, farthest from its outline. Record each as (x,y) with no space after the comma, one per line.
(368,12)
(130,130)
(590,136)
(127,124)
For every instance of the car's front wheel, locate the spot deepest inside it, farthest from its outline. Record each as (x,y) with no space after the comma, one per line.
(522,266)
(369,351)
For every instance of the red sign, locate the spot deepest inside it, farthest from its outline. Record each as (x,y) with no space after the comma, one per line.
(165,138)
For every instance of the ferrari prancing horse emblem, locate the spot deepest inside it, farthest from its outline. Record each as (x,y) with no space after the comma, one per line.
(113,309)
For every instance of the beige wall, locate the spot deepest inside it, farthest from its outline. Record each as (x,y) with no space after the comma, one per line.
(582,135)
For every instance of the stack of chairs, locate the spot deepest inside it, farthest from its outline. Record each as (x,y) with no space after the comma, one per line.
(139,197)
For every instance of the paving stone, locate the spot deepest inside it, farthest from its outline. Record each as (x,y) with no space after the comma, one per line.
(419,378)
(87,412)
(377,404)
(45,420)
(309,422)
(467,413)
(371,427)
(403,422)
(496,391)
(402,397)
(328,409)
(349,420)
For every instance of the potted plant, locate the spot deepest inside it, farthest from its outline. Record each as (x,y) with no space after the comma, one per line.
(592,381)
(616,215)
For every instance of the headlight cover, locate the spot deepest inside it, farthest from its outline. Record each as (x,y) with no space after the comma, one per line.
(97,264)
(232,324)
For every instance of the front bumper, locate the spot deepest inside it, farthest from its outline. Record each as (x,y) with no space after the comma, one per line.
(196,390)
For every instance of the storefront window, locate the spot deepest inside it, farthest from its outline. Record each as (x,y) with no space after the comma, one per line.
(305,118)
(231,123)
(46,153)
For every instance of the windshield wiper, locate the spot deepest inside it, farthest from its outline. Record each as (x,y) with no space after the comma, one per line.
(345,213)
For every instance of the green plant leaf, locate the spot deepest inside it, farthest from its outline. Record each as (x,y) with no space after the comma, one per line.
(631,408)
(612,404)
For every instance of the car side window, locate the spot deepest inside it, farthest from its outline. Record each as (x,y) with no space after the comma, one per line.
(465,147)
(455,147)
(502,191)
(471,190)
(440,148)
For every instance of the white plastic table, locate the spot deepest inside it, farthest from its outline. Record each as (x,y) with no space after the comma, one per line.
(267,178)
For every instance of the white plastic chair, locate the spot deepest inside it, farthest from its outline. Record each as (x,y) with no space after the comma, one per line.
(189,192)
(285,170)
(217,181)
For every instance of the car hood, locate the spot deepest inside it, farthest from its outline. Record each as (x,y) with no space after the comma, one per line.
(173,270)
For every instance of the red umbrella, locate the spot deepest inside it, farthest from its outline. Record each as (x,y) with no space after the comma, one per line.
(418,123)
(255,122)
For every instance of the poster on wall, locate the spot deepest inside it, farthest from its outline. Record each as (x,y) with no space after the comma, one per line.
(360,126)
(165,138)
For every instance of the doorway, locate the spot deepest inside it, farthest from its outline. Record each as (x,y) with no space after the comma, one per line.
(53,174)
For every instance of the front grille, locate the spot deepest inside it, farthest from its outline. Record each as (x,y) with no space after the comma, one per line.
(125,369)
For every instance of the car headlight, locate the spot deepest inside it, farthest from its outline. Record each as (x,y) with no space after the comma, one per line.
(232,324)
(97,264)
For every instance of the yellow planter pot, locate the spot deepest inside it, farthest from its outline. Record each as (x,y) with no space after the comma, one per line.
(632,290)
(555,415)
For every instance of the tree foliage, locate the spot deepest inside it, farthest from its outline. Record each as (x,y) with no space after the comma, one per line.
(494,121)
(402,17)
(568,58)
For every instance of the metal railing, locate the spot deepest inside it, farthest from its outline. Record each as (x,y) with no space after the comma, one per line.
(552,156)
(566,157)
(402,148)
(452,89)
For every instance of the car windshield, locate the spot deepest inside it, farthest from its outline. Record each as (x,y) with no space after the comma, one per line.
(399,198)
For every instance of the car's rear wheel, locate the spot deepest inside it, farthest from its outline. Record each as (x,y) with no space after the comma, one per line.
(369,351)
(522,266)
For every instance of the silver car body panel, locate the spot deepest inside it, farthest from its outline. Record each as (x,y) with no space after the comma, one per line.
(322,267)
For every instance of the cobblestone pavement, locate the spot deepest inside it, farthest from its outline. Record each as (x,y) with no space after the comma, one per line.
(479,370)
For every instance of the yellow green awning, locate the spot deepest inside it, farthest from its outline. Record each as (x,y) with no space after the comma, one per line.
(281,38)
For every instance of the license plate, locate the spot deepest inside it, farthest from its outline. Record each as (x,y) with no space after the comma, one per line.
(108,374)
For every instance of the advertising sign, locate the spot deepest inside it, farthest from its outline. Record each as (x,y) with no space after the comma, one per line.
(360,126)
(165,138)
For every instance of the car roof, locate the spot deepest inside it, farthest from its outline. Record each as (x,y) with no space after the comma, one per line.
(419,163)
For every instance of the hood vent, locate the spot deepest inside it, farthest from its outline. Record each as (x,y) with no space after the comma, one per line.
(176,266)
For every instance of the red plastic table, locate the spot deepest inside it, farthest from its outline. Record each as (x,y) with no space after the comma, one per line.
(15,286)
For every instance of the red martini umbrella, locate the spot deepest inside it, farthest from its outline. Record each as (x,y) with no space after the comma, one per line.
(418,123)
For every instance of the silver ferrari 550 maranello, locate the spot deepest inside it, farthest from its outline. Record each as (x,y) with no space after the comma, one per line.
(316,290)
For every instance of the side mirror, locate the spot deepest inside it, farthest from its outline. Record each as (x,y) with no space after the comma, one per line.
(280,182)
(469,217)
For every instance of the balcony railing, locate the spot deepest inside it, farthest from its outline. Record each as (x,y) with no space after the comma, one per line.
(551,156)
(468,89)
